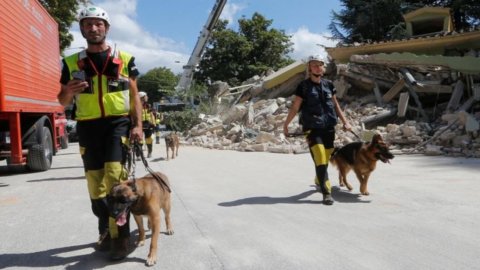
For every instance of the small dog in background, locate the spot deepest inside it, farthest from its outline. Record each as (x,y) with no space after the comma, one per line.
(172,142)
(362,158)
(143,196)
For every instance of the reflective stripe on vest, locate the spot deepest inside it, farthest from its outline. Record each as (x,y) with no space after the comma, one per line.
(146,115)
(103,102)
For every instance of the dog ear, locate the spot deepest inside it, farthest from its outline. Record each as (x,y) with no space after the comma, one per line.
(129,182)
(377,138)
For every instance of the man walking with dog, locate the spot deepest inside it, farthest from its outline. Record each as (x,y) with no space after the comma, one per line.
(315,99)
(148,123)
(101,83)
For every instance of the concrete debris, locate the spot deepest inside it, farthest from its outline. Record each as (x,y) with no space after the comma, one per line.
(419,105)
(454,134)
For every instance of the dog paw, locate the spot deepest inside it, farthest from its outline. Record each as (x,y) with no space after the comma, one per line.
(169,232)
(151,261)
(366,193)
(140,243)
(349,187)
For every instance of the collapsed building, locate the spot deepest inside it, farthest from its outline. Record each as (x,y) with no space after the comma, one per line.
(421,93)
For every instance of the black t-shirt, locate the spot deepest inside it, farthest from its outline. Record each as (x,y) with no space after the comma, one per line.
(300,91)
(96,62)
(318,109)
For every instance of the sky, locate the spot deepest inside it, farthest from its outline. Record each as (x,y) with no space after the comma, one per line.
(163,33)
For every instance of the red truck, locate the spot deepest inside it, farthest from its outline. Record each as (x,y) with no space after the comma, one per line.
(32,122)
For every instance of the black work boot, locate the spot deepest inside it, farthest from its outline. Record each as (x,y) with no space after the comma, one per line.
(100,209)
(150,148)
(120,248)
(327,199)
(103,243)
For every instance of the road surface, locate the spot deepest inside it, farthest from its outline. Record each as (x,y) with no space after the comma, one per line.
(236,210)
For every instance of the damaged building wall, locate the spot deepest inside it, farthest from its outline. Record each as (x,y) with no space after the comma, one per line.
(258,127)
(417,108)
(422,94)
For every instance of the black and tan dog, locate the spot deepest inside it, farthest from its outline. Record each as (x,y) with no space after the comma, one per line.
(143,196)
(172,142)
(362,159)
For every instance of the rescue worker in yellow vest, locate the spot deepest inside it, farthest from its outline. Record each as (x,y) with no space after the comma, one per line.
(158,121)
(101,83)
(148,123)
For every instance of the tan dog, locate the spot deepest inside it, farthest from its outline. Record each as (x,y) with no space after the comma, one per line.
(172,142)
(143,196)
(362,159)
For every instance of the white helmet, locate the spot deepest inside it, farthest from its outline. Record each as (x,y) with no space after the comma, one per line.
(94,12)
(142,94)
(316,57)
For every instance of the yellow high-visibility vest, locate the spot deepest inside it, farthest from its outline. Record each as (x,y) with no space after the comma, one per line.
(106,96)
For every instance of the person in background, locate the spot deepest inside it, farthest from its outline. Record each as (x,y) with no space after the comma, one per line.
(101,83)
(158,122)
(148,122)
(316,101)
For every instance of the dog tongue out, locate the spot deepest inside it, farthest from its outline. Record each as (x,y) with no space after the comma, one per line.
(122,219)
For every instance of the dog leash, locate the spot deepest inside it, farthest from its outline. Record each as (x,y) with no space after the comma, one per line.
(129,164)
(297,134)
(138,149)
(355,134)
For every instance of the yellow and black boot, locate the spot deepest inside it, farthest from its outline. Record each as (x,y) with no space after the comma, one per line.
(150,149)
(120,248)
(100,209)
(121,243)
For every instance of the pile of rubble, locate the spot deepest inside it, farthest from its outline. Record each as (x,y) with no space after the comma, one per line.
(258,126)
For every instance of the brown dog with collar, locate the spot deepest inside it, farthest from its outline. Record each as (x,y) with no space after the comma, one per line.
(362,158)
(143,196)
(172,142)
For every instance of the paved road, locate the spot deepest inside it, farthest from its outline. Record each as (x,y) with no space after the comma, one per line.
(234,210)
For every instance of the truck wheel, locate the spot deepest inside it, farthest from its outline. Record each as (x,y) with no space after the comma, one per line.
(39,156)
(64,141)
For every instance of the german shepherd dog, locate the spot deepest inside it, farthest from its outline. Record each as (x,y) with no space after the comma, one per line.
(143,196)
(362,159)
(172,142)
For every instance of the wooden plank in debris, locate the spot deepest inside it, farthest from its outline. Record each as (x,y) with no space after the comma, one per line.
(410,82)
(403,104)
(456,96)
(396,88)
(360,78)
(467,104)
(417,101)
(433,88)
(372,120)
(378,94)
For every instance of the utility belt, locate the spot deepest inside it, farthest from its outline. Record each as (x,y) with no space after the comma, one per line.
(146,125)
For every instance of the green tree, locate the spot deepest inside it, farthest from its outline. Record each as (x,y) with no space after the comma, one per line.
(158,82)
(234,57)
(64,12)
(363,20)
(376,20)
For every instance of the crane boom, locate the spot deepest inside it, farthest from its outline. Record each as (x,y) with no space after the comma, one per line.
(196,56)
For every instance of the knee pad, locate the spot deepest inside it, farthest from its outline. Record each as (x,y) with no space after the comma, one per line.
(114,173)
(319,154)
(95,183)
